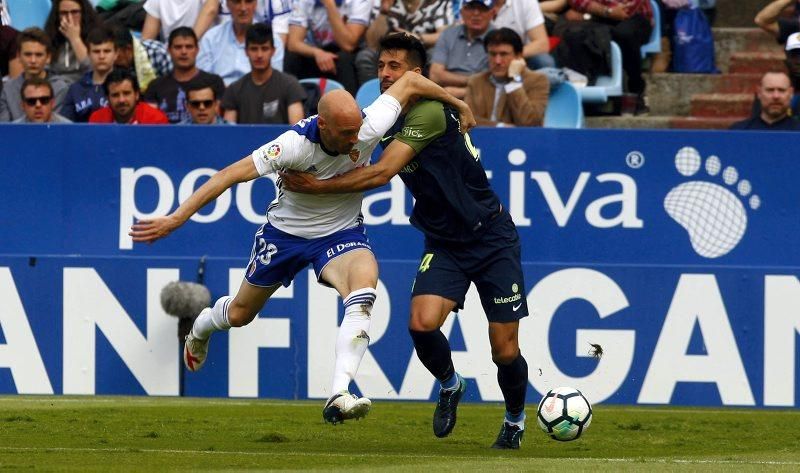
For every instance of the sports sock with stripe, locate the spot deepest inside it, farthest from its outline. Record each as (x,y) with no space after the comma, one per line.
(353,338)
(210,321)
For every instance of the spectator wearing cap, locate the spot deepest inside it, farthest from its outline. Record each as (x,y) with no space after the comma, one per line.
(774,95)
(526,19)
(459,52)
(508,94)
(38,102)
(631,23)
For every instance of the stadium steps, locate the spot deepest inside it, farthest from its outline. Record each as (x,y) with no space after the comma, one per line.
(707,101)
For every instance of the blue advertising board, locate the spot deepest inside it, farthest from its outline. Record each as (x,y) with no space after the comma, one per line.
(673,250)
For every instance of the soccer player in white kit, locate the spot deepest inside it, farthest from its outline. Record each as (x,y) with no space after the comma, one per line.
(323,230)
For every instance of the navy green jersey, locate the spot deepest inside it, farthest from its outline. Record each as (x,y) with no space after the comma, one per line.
(454,201)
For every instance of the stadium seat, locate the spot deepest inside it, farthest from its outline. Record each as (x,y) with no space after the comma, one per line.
(564,108)
(28,13)
(324,84)
(368,92)
(606,86)
(654,45)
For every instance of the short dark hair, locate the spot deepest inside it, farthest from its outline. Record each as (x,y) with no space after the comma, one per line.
(258,33)
(35,82)
(181,32)
(201,82)
(34,35)
(118,75)
(415,51)
(503,36)
(101,34)
(122,36)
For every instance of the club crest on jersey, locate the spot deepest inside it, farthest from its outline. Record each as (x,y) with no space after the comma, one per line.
(274,150)
(354,155)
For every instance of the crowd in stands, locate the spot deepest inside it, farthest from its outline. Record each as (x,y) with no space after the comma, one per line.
(240,61)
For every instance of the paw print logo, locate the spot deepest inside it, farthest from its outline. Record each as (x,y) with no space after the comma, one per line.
(712,214)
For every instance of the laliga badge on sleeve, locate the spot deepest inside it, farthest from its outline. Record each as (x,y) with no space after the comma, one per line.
(274,151)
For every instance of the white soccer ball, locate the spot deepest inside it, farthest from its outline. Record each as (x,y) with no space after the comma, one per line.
(564,414)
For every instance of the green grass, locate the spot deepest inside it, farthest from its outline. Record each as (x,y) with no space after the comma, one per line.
(169,434)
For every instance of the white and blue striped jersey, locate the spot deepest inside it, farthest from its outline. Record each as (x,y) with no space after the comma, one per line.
(300,149)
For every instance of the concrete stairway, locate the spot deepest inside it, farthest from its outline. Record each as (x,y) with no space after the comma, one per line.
(708,101)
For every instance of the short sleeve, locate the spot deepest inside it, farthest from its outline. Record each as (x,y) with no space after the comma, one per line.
(230,97)
(534,17)
(424,123)
(218,85)
(284,152)
(359,12)
(379,117)
(298,16)
(153,8)
(280,23)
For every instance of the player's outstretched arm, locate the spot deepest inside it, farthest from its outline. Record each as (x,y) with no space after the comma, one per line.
(412,84)
(148,231)
(393,159)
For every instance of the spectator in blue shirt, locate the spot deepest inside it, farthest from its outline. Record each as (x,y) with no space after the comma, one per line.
(87,95)
(222,50)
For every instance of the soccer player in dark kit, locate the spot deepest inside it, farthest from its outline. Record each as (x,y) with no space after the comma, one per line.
(469,238)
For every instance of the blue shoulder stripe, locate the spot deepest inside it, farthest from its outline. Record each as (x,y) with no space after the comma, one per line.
(308,128)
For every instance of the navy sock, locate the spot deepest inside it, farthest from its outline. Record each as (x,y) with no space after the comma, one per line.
(433,350)
(513,381)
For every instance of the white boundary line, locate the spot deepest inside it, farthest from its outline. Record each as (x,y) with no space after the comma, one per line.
(157,400)
(395,455)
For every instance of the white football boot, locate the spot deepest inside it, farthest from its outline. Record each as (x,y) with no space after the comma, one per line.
(342,406)
(195,352)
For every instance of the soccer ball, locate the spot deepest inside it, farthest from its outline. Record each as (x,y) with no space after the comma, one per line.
(564,414)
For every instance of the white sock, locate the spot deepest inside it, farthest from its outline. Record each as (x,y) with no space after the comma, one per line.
(353,338)
(210,321)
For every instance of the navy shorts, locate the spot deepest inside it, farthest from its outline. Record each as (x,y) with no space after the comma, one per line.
(492,262)
(278,256)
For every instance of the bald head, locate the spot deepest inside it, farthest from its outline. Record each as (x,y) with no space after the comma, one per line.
(339,121)
(338,104)
(775,95)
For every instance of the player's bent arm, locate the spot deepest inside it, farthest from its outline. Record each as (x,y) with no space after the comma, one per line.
(412,84)
(151,230)
(396,156)
(296,41)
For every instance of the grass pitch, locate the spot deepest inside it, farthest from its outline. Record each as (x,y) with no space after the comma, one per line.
(172,434)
